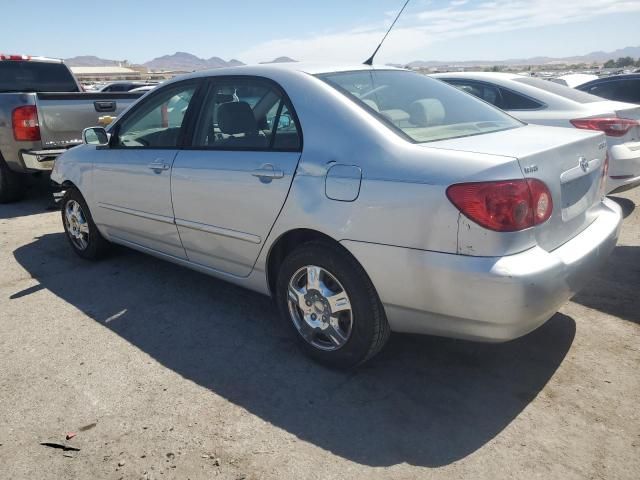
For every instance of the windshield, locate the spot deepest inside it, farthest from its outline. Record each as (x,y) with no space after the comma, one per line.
(418,107)
(28,76)
(558,89)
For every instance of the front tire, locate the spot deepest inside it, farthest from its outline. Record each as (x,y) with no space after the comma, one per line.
(324,294)
(83,235)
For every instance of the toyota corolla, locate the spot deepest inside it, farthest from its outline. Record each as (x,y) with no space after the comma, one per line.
(364,200)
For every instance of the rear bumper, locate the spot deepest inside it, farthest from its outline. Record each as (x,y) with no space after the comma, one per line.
(485,298)
(624,168)
(40,160)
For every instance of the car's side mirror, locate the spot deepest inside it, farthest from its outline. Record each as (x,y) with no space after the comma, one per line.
(95,136)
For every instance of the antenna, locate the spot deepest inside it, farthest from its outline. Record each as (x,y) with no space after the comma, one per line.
(369,61)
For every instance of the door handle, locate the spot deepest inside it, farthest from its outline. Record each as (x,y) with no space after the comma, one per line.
(267,172)
(158,166)
(105,106)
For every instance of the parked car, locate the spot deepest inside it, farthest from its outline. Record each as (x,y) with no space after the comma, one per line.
(143,89)
(623,88)
(363,200)
(547,103)
(42,113)
(573,80)
(124,86)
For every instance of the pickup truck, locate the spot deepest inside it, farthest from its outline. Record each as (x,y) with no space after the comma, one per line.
(43,111)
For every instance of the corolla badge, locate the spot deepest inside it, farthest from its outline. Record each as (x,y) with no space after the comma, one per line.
(584,164)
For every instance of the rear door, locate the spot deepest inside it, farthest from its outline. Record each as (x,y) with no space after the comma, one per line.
(229,186)
(132,177)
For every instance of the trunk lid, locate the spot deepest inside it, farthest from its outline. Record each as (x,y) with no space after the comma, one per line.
(63,116)
(568,161)
(627,110)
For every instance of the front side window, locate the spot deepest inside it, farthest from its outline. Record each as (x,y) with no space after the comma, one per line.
(157,122)
(246,114)
(418,107)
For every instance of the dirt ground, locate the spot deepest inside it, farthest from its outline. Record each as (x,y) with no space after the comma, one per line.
(188,377)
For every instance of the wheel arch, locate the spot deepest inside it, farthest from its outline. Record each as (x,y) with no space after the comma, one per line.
(289,241)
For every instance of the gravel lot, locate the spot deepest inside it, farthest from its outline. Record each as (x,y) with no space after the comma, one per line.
(185,377)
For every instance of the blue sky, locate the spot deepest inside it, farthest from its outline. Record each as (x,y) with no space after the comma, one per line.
(327,30)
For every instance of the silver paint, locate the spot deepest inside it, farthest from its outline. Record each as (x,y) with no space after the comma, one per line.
(435,270)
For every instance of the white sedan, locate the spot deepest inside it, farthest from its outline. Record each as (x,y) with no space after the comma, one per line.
(543,102)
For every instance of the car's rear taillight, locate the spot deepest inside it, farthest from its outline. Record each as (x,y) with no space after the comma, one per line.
(25,124)
(14,57)
(503,206)
(611,126)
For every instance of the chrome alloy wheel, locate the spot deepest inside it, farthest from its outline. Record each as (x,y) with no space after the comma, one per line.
(77,225)
(320,308)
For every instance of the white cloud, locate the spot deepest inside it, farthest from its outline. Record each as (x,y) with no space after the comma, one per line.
(419,29)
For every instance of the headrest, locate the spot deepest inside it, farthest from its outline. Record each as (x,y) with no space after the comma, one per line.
(427,112)
(236,117)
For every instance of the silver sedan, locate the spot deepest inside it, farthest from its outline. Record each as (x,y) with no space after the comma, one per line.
(364,200)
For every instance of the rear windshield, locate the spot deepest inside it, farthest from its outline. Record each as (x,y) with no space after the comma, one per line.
(560,90)
(17,76)
(418,107)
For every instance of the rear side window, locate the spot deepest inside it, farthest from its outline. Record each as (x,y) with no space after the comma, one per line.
(27,76)
(418,107)
(498,96)
(247,114)
(557,89)
(514,101)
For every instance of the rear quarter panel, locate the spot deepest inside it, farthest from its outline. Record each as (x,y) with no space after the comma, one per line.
(402,199)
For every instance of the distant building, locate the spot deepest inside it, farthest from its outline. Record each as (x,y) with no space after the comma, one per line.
(106,74)
(115,72)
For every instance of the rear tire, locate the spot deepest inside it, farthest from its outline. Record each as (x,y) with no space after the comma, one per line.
(83,235)
(328,300)
(12,184)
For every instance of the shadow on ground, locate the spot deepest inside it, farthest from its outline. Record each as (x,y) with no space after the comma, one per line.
(425,401)
(627,205)
(616,288)
(37,199)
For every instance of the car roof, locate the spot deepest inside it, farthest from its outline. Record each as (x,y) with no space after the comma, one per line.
(126,82)
(478,75)
(266,68)
(624,76)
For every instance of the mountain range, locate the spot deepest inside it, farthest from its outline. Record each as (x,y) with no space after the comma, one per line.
(188,62)
(178,61)
(593,57)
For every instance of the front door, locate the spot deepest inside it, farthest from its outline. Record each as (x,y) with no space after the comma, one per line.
(132,178)
(230,185)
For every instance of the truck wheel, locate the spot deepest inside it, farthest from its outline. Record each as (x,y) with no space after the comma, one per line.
(82,233)
(11,183)
(328,299)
